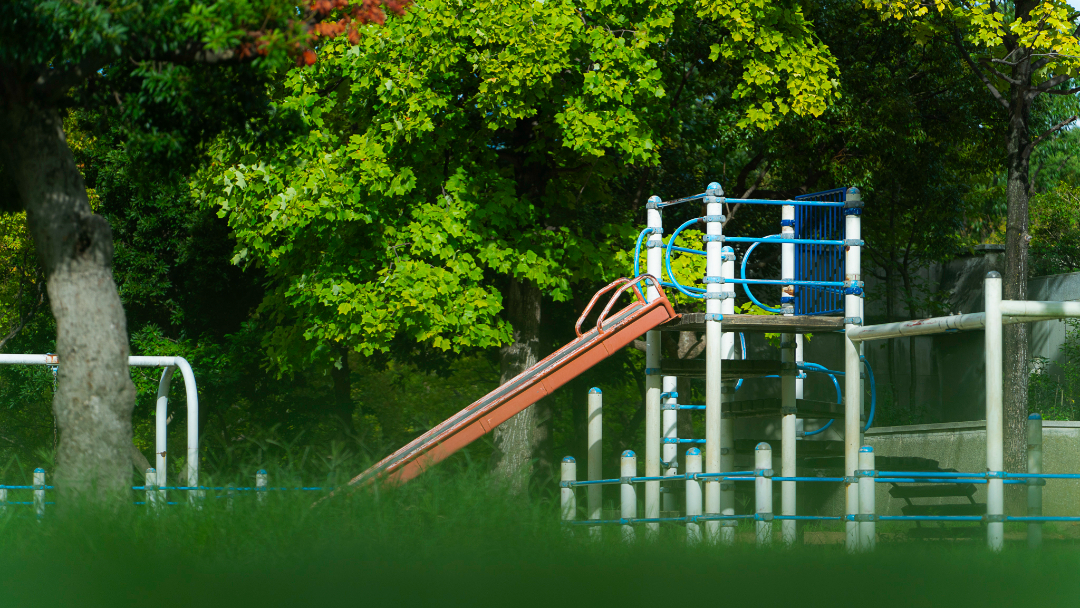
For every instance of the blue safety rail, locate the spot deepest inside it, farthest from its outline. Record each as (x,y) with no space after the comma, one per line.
(816,261)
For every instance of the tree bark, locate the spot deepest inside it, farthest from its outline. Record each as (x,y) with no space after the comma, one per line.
(522,444)
(1014,286)
(95,395)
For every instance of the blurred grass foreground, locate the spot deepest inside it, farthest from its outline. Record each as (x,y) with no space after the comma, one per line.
(454,537)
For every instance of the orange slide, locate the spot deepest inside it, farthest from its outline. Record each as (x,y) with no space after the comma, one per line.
(529,386)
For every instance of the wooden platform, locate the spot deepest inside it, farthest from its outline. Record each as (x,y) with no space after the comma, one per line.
(773,324)
(730,369)
(770,408)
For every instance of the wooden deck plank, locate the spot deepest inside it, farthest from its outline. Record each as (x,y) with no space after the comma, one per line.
(731,369)
(695,321)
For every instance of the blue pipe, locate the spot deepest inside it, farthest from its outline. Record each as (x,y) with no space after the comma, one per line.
(746,286)
(667,260)
(781,240)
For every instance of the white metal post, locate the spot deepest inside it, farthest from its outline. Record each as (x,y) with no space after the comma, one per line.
(596,456)
(693,496)
(852,384)
(867,527)
(39,492)
(260,486)
(727,395)
(763,493)
(670,452)
(3,499)
(714,243)
(628,493)
(1034,489)
(568,498)
(788,378)
(995,455)
(654,265)
(150,485)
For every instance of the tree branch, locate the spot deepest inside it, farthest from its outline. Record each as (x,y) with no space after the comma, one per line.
(1049,84)
(1049,132)
(959,43)
(999,74)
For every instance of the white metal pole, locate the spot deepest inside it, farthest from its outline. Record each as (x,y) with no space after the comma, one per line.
(596,457)
(628,493)
(763,493)
(714,230)
(39,492)
(161,418)
(260,486)
(654,265)
(867,525)
(788,378)
(670,432)
(995,455)
(1034,489)
(727,396)
(693,496)
(568,498)
(3,499)
(852,396)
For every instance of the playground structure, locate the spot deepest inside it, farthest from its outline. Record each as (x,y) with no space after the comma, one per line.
(820,265)
(171,364)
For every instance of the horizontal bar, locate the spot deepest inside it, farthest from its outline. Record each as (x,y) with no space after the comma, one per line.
(686,250)
(928,474)
(782,241)
(1031,308)
(934,325)
(782,282)
(1042,475)
(825,479)
(1035,518)
(971,480)
(809,517)
(930,518)
(797,203)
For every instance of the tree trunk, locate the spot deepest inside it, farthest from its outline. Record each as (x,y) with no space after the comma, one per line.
(522,444)
(95,396)
(1014,286)
(344,407)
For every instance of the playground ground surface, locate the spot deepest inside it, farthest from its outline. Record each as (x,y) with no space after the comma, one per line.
(455,538)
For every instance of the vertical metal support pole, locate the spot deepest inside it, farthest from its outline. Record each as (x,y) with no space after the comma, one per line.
(867,527)
(568,499)
(693,496)
(788,378)
(800,358)
(852,384)
(161,418)
(3,499)
(1035,486)
(628,493)
(763,511)
(654,265)
(670,450)
(995,454)
(260,486)
(596,457)
(714,230)
(727,395)
(150,486)
(39,492)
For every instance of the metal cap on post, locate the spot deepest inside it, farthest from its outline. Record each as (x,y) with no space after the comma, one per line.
(995,454)
(568,500)
(628,493)
(1035,486)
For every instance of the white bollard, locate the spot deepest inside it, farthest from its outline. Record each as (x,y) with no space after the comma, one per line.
(654,266)
(693,496)
(867,525)
(763,493)
(852,365)
(39,492)
(596,457)
(628,493)
(150,488)
(567,495)
(3,499)
(1034,489)
(714,296)
(260,486)
(995,454)
(229,494)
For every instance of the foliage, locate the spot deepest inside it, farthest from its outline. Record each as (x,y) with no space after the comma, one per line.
(1053,389)
(1055,231)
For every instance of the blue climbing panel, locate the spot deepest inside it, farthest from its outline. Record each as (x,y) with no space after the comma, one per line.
(819,262)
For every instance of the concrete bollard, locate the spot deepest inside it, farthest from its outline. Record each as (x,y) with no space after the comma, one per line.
(763,512)
(628,493)
(567,497)
(260,486)
(867,525)
(1035,486)
(39,492)
(693,496)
